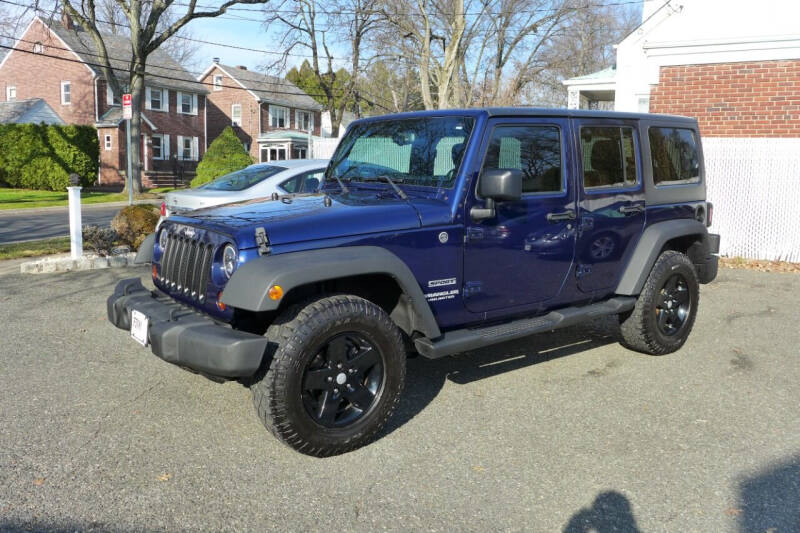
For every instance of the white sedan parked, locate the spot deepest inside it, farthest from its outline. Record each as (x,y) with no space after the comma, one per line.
(256,181)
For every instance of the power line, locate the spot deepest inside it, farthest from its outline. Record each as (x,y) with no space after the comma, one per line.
(172,78)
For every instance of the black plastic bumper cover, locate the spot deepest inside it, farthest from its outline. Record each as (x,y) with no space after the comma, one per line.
(184,337)
(707,270)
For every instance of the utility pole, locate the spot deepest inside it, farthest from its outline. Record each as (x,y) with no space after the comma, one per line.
(127,113)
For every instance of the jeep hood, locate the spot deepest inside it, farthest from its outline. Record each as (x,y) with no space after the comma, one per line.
(306,217)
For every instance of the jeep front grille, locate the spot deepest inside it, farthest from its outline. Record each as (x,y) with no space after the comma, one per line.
(186,265)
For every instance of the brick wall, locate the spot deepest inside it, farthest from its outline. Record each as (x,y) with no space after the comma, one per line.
(38,76)
(759,99)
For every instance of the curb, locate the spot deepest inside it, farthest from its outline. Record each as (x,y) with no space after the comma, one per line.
(65,263)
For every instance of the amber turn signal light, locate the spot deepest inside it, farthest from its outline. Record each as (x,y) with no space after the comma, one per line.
(275,292)
(155,272)
(221,306)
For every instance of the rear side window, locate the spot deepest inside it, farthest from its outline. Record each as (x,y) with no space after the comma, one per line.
(609,157)
(674,155)
(535,150)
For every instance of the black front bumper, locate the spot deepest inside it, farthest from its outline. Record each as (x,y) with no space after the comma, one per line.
(185,337)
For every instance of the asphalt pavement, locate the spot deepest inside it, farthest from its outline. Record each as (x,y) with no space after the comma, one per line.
(46,222)
(565,431)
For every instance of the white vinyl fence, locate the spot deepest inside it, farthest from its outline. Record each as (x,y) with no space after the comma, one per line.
(323,147)
(754,185)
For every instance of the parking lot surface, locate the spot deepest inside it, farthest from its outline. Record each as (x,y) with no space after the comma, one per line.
(557,432)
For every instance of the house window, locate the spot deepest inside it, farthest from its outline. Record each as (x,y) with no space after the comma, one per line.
(674,155)
(187,148)
(156,99)
(304,120)
(107,142)
(110,98)
(236,114)
(609,157)
(187,103)
(278,117)
(218,82)
(38,48)
(65,93)
(298,152)
(157,144)
(11,93)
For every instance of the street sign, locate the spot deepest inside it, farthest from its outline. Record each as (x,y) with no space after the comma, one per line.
(126,106)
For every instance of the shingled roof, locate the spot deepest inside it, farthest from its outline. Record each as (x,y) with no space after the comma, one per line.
(271,89)
(32,111)
(162,70)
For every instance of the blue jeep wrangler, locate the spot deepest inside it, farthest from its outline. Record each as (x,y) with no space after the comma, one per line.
(435,232)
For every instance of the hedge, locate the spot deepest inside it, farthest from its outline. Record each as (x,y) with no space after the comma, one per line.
(225,155)
(40,156)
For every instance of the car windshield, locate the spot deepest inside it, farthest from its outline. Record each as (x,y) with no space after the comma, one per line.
(242,179)
(416,151)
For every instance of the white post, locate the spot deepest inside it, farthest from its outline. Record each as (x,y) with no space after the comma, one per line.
(310,149)
(75,235)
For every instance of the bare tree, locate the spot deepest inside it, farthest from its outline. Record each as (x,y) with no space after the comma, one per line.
(314,26)
(147,33)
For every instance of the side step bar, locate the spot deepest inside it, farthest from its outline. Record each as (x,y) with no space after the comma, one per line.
(471,338)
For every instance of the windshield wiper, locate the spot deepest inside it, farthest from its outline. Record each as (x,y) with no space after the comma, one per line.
(388,180)
(345,190)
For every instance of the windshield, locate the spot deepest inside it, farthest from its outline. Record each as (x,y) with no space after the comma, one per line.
(242,179)
(418,151)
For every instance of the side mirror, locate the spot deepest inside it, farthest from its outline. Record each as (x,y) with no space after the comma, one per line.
(497,185)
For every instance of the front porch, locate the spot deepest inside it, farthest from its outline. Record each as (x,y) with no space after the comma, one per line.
(282,145)
(592,91)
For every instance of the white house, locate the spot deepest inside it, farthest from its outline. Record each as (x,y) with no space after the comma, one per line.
(735,66)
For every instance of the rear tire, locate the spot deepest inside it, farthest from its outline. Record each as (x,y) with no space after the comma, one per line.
(665,311)
(336,373)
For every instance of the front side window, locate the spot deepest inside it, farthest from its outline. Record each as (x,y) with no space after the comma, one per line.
(155,99)
(107,142)
(419,151)
(157,145)
(278,116)
(609,157)
(674,155)
(66,93)
(236,114)
(11,93)
(110,98)
(186,147)
(298,152)
(243,179)
(533,149)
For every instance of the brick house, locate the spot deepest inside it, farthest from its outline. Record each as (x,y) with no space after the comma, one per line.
(270,115)
(57,62)
(735,66)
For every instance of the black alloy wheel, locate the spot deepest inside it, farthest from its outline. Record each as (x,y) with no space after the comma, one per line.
(343,380)
(673,305)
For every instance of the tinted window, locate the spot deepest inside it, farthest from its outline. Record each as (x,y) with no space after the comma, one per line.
(535,150)
(311,180)
(242,179)
(674,155)
(292,184)
(609,157)
(425,151)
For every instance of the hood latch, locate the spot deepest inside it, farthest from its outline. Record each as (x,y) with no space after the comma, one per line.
(262,241)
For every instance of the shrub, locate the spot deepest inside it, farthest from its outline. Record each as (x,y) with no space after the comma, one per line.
(99,239)
(225,155)
(134,223)
(40,156)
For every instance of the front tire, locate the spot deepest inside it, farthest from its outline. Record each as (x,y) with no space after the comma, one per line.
(665,310)
(335,377)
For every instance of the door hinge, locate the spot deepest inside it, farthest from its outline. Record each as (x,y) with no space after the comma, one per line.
(474,233)
(262,241)
(582,270)
(472,287)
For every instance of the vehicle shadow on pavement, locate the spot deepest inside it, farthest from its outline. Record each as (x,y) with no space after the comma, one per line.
(425,377)
(610,512)
(770,500)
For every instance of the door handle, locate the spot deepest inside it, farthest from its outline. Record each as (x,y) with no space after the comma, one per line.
(631,209)
(569,214)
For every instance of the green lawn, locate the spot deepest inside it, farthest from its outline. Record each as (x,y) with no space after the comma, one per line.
(34,248)
(22,198)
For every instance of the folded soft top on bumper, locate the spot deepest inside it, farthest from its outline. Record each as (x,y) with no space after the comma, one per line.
(185,337)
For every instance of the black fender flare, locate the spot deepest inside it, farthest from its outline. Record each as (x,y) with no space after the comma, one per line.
(649,246)
(247,289)
(145,252)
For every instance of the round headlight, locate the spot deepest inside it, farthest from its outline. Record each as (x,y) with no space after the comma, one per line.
(162,239)
(229,259)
